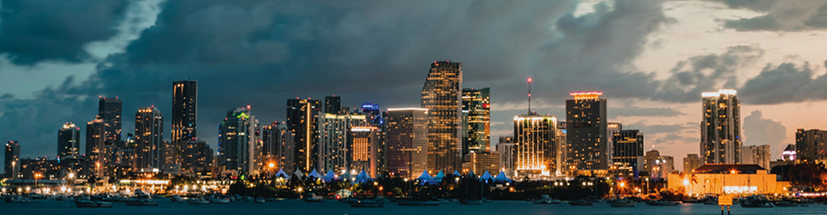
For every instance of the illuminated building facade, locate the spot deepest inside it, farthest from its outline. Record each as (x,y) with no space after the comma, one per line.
(479,162)
(238,141)
(95,147)
(442,96)
(334,132)
(759,155)
(789,153)
(365,149)
(586,138)
(691,162)
(627,151)
(109,109)
(613,127)
(302,119)
(407,141)
(721,127)
(149,139)
(68,140)
(536,145)
(733,179)
(478,122)
(41,168)
(198,157)
(333,104)
(184,119)
(507,157)
(810,146)
(279,142)
(11,160)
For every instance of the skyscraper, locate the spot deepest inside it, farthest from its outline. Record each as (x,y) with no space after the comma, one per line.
(721,127)
(198,157)
(333,104)
(407,141)
(334,133)
(96,147)
(760,155)
(811,146)
(184,117)
(302,119)
(109,109)
(691,162)
(12,160)
(586,126)
(149,139)
(477,103)
(68,140)
(442,96)
(535,140)
(628,152)
(507,157)
(365,150)
(374,113)
(238,139)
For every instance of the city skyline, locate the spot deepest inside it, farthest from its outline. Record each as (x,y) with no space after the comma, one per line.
(660,96)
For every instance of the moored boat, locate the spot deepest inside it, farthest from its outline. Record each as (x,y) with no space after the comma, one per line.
(85,203)
(367,203)
(20,199)
(662,203)
(622,203)
(582,202)
(312,197)
(470,202)
(260,200)
(176,198)
(198,201)
(786,204)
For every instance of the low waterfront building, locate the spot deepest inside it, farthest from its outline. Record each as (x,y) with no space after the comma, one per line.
(736,179)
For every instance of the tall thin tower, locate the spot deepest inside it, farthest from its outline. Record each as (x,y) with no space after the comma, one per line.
(442,96)
(184,116)
(721,127)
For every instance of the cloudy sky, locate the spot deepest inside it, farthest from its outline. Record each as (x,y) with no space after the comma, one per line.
(651,59)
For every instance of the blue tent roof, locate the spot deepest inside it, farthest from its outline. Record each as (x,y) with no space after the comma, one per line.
(363,176)
(439,176)
(424,176)
(486,176)
(330,175)
(314,174)
(501,177)
(282,174)
(456,173)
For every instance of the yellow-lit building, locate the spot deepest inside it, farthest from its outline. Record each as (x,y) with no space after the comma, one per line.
(736,179)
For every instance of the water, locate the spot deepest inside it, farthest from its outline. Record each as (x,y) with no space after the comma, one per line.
(331,207)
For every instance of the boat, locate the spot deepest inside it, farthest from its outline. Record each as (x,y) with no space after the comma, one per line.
(367,203)
(85,203)
(219,200)
(260,200)
(544,199)
(142,199)
(312,197)
(470,202)
(176,198)
(622,203)
(786,204)
(484,200)
(755,204)
(693,201)
(582,202)
(662,203)
(20,199)
(198,201)
(418,202)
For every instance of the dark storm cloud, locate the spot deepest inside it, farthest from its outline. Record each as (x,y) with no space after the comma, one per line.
(784,83)
(779,15)
(32,31)
(760,131)
(698,74)
(263,52)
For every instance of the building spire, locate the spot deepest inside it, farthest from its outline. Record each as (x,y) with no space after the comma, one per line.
(529,95)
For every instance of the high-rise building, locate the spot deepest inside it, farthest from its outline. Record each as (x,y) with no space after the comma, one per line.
(277,147)
(810,146)
(333,104)
(536,145)
(109,109)
(649,160)
(374,114)
(149,139)
(11,160)
(789,153)
(627,157)
(407,141)
(96,147)
(507,157)
(198,157)
(270,144)
(184,118)
(480,162)
(238,141)
(662,167)
(613,127)
(334,131)
(760,155)
(442,96)
(68,140)
(302,119)
(721,127)
(478,124)
(691,162)
(365,150)
(586,138)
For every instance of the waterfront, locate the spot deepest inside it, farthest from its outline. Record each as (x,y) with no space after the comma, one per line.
(332,207)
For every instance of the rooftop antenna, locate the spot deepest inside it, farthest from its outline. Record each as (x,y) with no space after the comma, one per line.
(529,95)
